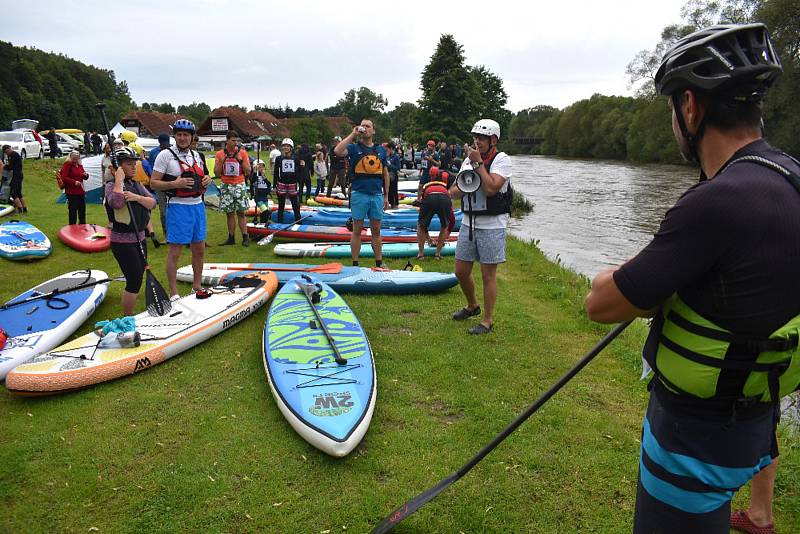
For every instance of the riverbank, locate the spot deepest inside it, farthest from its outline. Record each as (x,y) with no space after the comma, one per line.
(197,443)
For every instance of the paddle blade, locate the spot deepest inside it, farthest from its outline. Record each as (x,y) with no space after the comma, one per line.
(413,505)
(156,298)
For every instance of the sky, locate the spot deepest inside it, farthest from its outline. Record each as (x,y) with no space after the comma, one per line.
(307,55)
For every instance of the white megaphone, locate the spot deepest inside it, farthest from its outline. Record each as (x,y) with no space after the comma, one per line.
(468,181)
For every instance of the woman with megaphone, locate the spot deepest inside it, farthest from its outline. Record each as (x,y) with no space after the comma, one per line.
(484,185)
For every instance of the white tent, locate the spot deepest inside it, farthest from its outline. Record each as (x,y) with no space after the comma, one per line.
(117,129)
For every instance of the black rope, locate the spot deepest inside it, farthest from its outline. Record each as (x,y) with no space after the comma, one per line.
(339,369)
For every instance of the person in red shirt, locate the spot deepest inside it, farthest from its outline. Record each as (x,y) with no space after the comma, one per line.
(232,164)
(73,175)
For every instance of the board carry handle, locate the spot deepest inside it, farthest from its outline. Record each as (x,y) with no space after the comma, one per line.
(313,291)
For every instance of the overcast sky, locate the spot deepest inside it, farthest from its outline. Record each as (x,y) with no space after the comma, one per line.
(308,54)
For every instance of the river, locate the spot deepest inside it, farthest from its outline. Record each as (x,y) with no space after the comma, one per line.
(591,214)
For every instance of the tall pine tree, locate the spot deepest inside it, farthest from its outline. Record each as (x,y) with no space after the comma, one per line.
(451,99)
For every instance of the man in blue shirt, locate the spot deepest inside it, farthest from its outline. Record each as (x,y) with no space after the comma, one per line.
(370,185)
(430,158)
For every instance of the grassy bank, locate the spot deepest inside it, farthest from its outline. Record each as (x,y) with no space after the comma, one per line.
(198,444)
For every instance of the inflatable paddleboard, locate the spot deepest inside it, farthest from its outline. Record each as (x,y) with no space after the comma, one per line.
(41,325)
(85,237)
(20,240)
(340,278)
(5,209)
(309,232)
(397,218)
(339,250)
(82,362)
(329,404)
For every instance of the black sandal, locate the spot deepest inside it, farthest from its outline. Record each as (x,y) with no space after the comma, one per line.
(464,313)
(480,329)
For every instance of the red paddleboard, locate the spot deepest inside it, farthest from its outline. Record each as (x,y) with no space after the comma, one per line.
(86,237)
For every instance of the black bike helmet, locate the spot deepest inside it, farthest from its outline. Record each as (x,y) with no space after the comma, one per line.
(734,59)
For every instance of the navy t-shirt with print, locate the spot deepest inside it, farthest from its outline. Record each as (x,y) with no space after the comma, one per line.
(355,153)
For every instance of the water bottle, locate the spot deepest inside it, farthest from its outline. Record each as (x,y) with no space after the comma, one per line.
(120,340)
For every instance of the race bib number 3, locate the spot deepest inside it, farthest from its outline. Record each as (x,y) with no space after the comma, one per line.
(231,168)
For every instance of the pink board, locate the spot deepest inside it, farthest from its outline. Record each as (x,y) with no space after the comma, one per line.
(86,237)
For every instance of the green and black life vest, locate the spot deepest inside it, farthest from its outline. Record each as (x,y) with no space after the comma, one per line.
(689,354)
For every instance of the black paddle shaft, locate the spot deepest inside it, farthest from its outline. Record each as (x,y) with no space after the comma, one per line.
(428,495)
(312,292)
(58,292)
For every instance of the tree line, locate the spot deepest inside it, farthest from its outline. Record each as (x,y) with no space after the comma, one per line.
(639,128)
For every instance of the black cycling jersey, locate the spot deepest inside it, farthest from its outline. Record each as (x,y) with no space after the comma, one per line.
(730,248)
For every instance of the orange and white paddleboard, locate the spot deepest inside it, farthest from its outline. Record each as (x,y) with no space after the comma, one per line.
(83,362)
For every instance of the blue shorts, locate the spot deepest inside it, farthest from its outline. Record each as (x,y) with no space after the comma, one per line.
(366,206)
(690,467)
(186,223)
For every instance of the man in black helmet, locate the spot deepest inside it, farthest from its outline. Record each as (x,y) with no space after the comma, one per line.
(720,281)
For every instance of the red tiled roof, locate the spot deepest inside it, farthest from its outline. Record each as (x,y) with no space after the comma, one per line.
(153,123)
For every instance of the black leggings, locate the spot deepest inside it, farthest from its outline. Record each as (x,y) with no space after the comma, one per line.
(130,261)
(282,204)
(76,207)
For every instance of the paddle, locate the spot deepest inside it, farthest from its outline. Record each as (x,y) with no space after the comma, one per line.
(267,240)
(325,268)
(156,299)
(428,495)
(56,292)
(312,293)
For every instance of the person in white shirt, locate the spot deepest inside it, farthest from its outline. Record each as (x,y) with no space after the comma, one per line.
(482,237)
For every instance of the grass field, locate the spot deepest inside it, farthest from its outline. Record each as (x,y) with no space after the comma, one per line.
(198,444)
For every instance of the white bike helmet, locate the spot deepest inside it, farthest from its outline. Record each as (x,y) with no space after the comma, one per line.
(287,141)
(486,127)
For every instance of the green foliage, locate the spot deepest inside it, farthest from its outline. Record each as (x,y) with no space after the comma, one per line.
(196,112)
(650,138)
(451,98)
(520,205)
(493,98)
(402,119)
(361,103)
(56,90)
(164,107)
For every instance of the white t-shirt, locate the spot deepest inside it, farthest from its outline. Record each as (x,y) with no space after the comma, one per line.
(274,153)
(502,166)
(167,164)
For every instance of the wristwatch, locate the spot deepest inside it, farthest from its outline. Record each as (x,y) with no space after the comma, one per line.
(475,165)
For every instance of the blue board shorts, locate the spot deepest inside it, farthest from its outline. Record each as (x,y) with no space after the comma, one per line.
(366,206)
(690,467)
(488,246)
(186,223)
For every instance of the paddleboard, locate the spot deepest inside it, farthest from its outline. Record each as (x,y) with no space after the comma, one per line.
(6,209)
(329,404)
(20,240)
(331,201)
(339,250)
(309,232)
(41,325)
(345,280)
(82,362)
(393,218)
(85,237)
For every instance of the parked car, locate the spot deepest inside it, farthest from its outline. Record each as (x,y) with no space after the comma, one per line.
(64,148)
(23,142)
(205,146)
(71,140)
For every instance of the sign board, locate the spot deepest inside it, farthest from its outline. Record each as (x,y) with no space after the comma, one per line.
(219,125)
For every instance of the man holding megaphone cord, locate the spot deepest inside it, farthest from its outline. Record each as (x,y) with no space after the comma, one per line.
(487,208)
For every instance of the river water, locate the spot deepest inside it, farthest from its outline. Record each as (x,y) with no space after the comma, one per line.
(592,214)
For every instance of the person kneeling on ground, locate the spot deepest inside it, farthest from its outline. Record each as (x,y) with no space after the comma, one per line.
(483,231)
(435,201)
(125,240)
